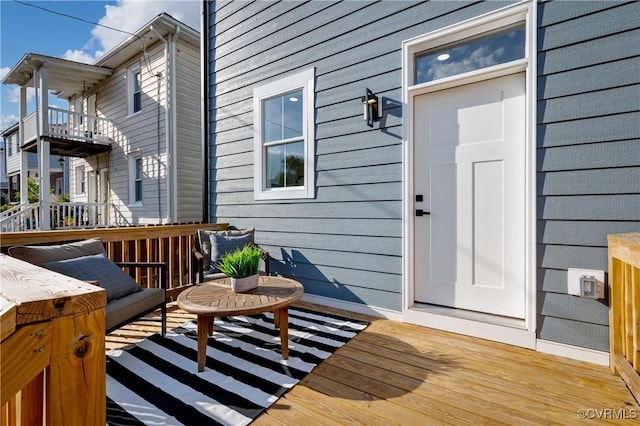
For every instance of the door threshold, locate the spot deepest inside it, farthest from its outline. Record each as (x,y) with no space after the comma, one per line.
(470,315)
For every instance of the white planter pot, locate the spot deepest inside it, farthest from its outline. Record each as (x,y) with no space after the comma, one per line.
(240,285)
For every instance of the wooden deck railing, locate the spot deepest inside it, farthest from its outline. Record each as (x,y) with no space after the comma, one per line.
(624,308)
(170,244)
(52,352)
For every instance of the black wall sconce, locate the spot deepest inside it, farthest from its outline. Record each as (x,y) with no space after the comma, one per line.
(372,108)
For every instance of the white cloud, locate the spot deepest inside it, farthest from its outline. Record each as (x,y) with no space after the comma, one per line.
(131,15)
(79,56)
(14,94)
(7,120)
(4,71)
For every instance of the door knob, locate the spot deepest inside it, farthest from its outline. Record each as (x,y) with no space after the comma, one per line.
(420,212)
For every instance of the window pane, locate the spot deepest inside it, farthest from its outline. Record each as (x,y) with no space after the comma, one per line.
(138,190)
(485,51)
(292,115)
(135,89)
(137,184)
(282,117)
(275,166)
(136,81)
(272,123)
(136,102)
(285,165)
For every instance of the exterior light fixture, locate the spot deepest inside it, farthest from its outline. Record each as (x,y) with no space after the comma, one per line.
(61,161)
(372,107)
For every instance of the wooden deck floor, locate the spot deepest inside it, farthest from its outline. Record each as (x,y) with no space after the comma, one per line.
(394,373)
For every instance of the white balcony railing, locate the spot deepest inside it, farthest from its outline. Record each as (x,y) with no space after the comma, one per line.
(70,125)
(69,215)
(91,128)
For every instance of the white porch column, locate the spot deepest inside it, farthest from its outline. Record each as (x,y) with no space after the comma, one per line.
(24,156)
(44,151)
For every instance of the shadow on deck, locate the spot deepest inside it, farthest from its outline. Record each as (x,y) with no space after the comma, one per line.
(395,373)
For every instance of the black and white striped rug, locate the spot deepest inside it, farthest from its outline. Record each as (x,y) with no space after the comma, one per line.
(156,382)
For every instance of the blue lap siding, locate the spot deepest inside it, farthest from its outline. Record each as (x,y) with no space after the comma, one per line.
(588,155)
(346,243)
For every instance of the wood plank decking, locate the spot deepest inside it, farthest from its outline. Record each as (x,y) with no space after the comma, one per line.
(395,373)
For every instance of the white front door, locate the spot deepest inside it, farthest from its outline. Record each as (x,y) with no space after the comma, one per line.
(469,172)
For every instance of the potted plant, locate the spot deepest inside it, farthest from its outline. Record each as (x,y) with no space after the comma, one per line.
(241,265)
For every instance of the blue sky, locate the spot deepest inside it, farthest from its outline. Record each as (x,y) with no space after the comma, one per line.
(25,29)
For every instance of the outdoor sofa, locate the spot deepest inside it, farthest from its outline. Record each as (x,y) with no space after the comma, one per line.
(87,260)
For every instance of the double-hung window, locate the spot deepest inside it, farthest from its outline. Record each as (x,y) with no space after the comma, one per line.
(135,89)
(283,113)
(135,179)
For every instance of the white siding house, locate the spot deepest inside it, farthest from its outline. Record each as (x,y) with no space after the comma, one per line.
(132,130)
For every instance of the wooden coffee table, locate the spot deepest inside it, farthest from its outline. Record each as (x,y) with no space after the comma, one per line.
(216,299)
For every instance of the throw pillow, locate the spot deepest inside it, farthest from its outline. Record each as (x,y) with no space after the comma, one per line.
(97,268)
(221,244)
(204,240)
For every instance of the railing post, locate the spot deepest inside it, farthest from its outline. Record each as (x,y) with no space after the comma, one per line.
(624,308)
(77,376)
(58,327)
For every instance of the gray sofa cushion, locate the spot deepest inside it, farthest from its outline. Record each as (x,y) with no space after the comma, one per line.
(204,240)
(99,268)
(122,310)
(42,254)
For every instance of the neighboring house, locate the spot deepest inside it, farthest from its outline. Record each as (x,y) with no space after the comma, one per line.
(133,128)
(507,150)
(12,165)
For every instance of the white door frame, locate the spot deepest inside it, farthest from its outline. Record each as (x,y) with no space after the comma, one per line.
(524,11)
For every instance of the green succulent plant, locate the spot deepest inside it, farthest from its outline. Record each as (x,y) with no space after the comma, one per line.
(241,263)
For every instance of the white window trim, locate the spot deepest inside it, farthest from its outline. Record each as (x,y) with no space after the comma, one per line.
(130,88)
(132,157)
(305,81)
(524,11)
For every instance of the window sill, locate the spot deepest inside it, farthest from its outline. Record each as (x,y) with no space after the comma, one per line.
(284,194)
